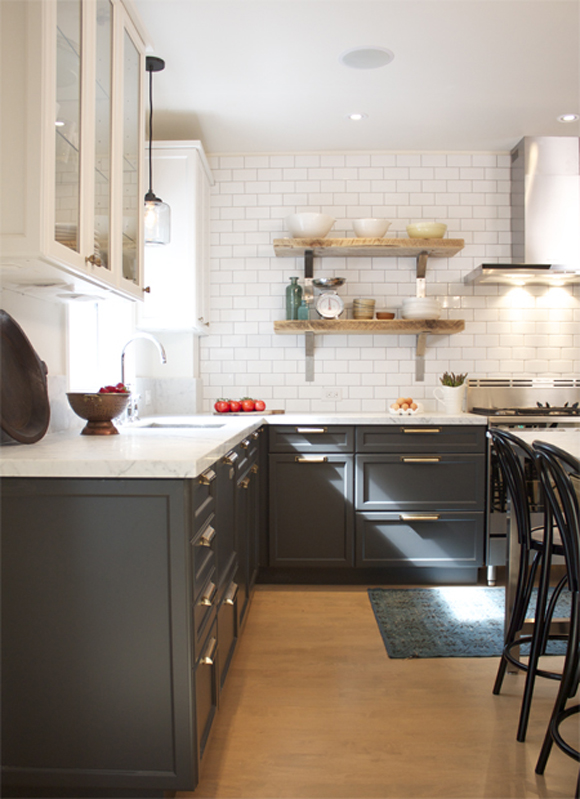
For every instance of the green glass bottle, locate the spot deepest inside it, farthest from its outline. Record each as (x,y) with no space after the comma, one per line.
(293,298)
(303,311)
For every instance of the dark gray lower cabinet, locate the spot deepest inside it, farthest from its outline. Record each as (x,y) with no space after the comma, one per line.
(97,666)
(311,510)
(119,623)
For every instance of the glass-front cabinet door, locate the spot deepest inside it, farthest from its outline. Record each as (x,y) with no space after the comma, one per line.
(133,207)
(99,136)
(67,124)
(103,132)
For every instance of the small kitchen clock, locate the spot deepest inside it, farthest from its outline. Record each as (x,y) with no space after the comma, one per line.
(329,305)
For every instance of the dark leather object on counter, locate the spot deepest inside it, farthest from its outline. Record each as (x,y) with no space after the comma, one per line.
(24,405)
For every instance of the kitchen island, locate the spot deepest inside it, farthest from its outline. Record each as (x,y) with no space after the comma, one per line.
(129,563)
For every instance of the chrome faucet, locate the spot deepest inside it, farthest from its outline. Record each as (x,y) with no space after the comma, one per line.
(132,410)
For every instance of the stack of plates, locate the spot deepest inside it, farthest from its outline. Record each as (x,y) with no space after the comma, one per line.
(421,308)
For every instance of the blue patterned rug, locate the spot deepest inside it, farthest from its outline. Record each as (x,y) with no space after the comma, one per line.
(454,622)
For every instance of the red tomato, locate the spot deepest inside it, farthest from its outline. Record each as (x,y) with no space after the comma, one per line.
(260,405)
(248,404)
(222,406)
(235,406)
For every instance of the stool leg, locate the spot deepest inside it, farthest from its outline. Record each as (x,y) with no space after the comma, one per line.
(536,646)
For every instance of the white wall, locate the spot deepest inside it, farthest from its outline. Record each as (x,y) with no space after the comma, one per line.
(507,332)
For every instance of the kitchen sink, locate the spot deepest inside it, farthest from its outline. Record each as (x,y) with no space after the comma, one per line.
(175,425)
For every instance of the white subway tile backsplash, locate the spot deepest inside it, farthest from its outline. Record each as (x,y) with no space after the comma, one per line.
(523,332)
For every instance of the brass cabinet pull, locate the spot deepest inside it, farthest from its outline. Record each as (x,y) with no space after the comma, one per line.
(245,443)
(410,459)
(311,459)
(230,458)
(421,429)
(207,537)
(245,482)
(311,429)
(256,435)
(255,469)
(231,593)
(207,477)
(208,656)
(94,260)
(417,517)
(206,599)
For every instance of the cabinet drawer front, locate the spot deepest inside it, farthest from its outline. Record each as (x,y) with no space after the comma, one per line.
(422,540)
(228,630)
(421,438)
(311,516)
(204,497)
(422,481)
(203,554)
(206,688)
(311,438)
(204,609)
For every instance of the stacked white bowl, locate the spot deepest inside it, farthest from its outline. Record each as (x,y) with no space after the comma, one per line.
(421,308)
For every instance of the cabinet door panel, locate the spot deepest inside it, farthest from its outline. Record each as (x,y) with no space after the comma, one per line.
(402,540)
(96,690)
(311,515)
(425,481)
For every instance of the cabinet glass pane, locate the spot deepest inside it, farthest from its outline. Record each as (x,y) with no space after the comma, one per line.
(132,202)
(67,123)
(103,96)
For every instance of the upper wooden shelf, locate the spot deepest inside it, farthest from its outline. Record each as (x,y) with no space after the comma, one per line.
(389,248)
(377,326)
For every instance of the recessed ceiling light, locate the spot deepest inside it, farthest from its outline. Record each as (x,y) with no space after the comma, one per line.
(568,118)
(356,117)
(366,57)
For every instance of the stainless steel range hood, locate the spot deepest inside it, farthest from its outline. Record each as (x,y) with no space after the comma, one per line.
(545,215)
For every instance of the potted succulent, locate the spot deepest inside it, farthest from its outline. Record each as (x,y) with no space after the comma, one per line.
(453,380)
(452,392)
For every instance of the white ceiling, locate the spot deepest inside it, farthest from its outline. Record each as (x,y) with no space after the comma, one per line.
(264,75)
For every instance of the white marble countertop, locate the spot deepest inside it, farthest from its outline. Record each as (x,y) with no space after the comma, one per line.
(177,452)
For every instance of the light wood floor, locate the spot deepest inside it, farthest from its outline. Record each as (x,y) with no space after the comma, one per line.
(313,707)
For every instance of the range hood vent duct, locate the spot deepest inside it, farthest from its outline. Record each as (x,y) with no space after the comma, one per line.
(545,214)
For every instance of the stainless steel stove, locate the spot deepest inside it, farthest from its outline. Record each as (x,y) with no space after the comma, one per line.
(518,404)
(526,402)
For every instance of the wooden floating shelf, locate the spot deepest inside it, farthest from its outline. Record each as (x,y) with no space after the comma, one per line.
(401,327)
(389,248)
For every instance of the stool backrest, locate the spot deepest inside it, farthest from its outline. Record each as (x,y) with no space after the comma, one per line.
(511,453)
(558,472)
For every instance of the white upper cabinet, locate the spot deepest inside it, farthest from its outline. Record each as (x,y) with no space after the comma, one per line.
(177,274)
(72,138)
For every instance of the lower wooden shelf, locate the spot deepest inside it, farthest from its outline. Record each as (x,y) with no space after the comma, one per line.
(370,326)
(419,327)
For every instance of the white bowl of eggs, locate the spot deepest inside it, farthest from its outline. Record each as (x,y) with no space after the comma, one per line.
(405,406)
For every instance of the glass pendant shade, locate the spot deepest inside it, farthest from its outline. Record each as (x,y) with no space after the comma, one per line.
(157,221)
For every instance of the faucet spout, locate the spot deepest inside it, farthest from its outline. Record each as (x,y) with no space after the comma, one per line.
(149,337)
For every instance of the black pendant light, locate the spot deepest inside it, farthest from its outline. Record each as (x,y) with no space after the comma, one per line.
(157,213)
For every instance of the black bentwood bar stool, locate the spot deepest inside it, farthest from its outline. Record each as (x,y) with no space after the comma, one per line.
(560,476)
(537,545)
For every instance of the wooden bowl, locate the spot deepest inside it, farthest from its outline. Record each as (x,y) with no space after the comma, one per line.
(385,315)
(99,410)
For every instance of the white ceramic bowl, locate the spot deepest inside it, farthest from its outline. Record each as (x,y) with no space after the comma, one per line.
(370,228)
(426,230)
(309,225)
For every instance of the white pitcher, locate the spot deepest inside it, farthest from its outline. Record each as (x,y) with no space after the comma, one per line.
(452,398)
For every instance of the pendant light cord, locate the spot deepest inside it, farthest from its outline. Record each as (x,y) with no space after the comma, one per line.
(150,131)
